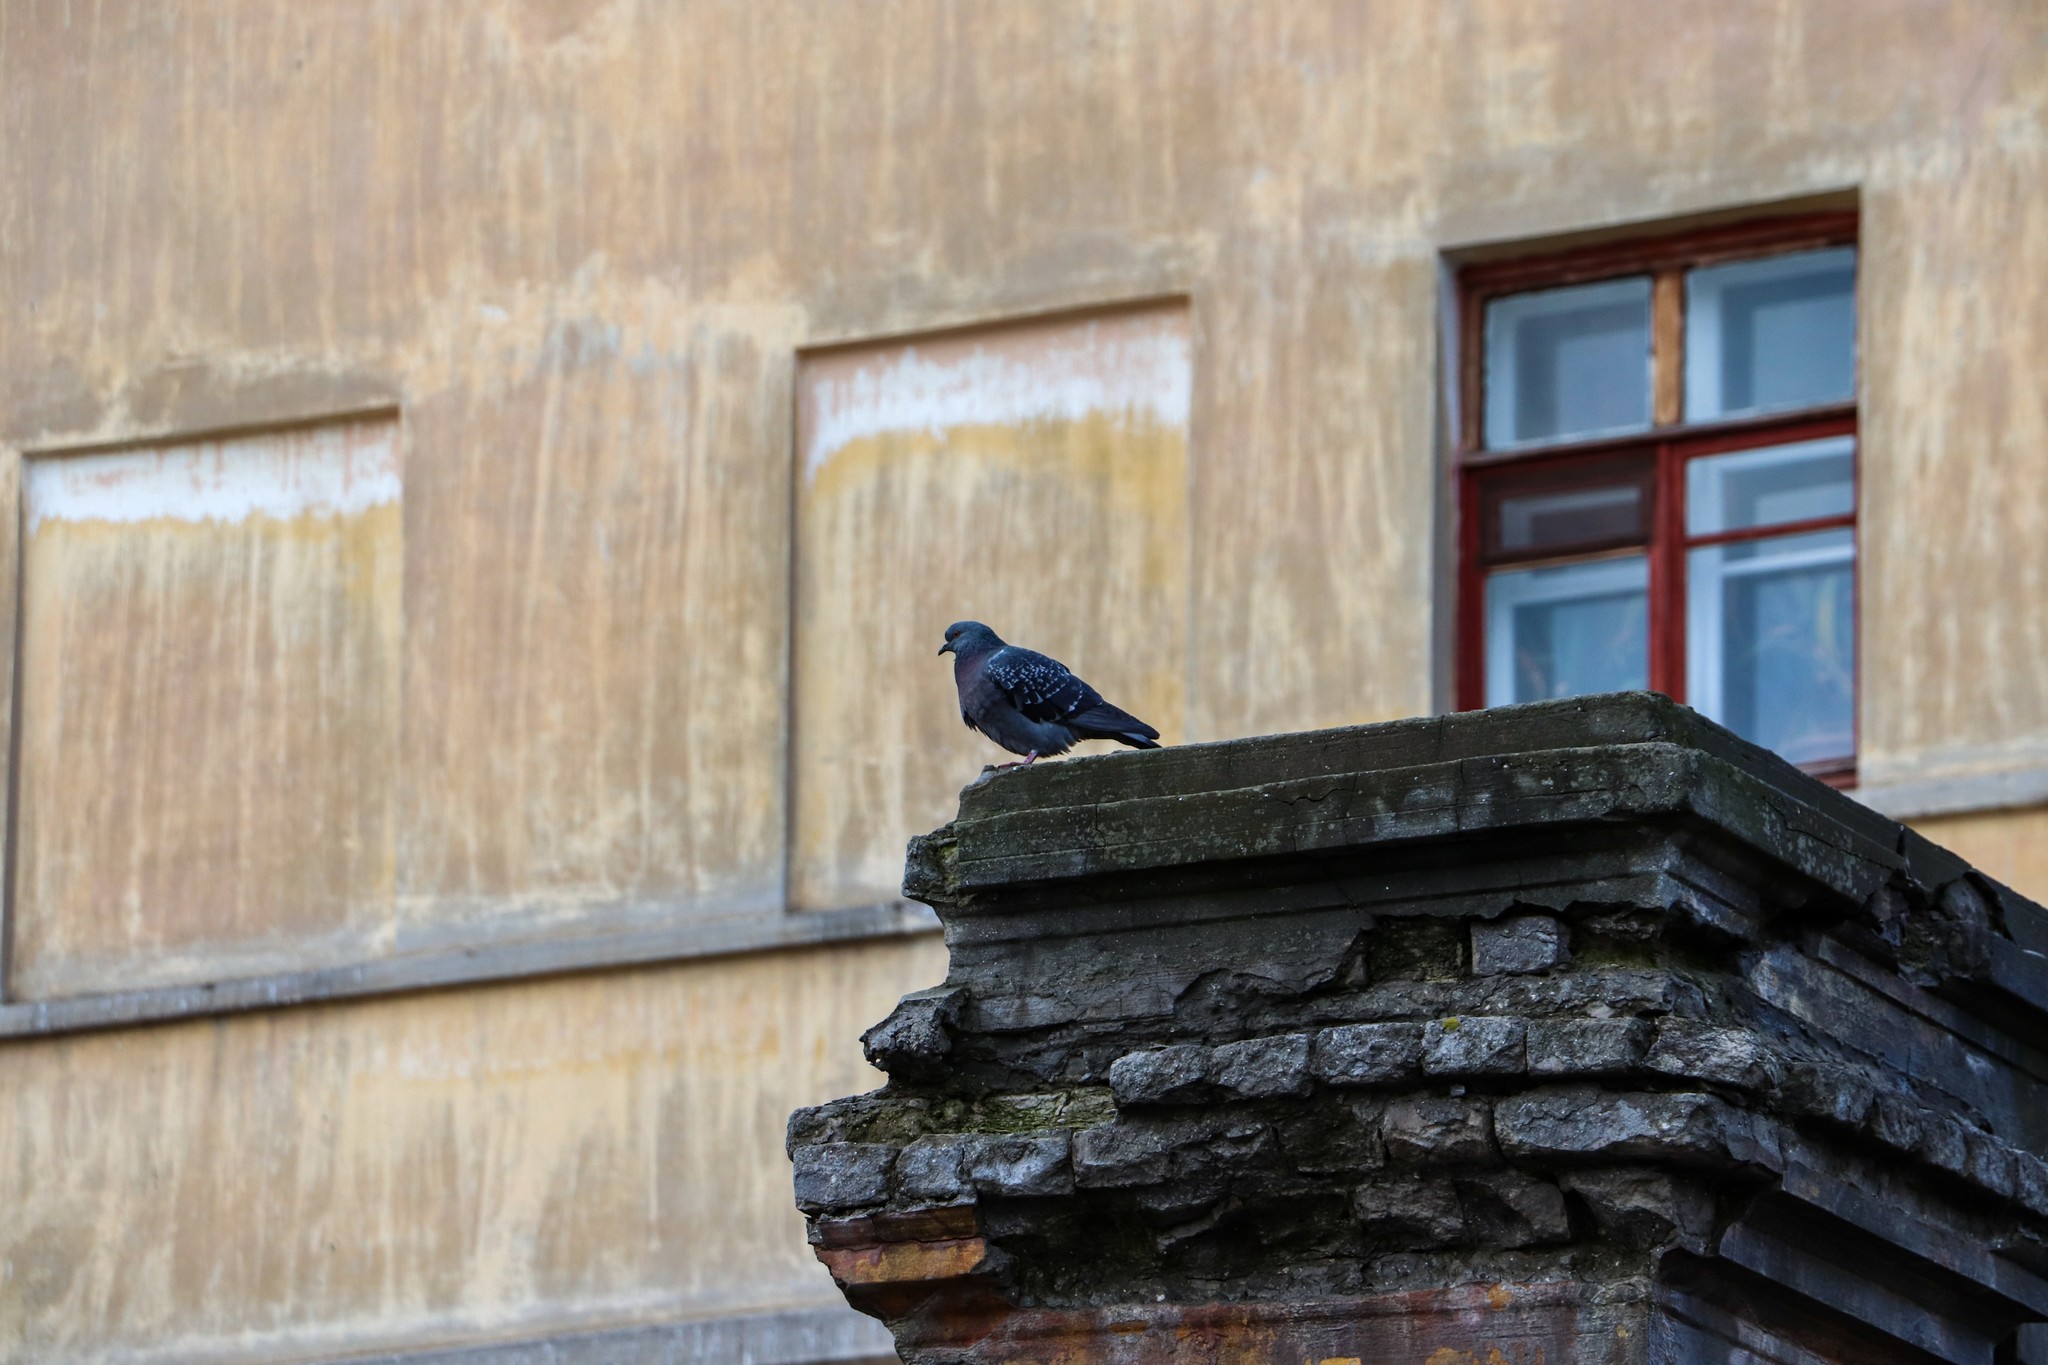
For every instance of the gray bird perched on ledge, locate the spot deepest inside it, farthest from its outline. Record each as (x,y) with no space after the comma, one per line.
(1028,703)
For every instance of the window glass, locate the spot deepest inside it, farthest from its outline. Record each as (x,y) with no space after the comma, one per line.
(1774,333)
(1570,362)
(1772,485)
(1771,641)
(1567,629)
(1565,517)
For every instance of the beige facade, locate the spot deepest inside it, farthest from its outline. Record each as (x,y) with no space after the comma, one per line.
(479,478)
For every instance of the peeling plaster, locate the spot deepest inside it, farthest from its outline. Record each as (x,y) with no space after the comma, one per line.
(1129,364)
(332,471)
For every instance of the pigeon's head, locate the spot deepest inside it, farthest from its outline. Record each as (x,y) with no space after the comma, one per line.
(968,638)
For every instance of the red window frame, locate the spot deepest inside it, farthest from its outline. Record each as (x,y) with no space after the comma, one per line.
(1661,451)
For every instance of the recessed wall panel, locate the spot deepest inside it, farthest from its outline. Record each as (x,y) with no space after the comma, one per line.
(1031,476)
(209,668)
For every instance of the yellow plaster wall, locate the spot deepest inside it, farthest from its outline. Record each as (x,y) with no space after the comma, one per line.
(490,1162)
(580,244)
(2010,845)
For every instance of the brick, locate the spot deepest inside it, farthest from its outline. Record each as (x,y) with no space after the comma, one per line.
(1474,1046)
(1724,1056)
(1022,1166)
(1525,943)
(1512,1209)
(1645,1208)
(1165,1075)
(1136,1152)
(832,1176)
(1595,1047)
(1410,1213)
(914,1041)
(1343,1135)
(1433,1128)
(1263,1068)
(929,1169)
(1594,1123)
(1368,1054)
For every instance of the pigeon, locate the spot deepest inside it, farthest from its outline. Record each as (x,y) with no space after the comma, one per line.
(1028,703)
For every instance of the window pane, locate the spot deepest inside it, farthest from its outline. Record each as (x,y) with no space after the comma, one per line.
(1774,333)
(1568,362)
(1567,630)
(1771,641)
(1772,485)
(1570,516)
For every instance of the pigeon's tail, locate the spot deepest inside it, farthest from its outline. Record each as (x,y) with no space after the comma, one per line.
(1103,721)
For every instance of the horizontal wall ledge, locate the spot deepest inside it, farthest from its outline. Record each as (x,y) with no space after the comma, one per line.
(1918,798)
(685,940)
(827,1335)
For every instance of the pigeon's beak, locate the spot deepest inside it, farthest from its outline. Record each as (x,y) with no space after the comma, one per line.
(946,648)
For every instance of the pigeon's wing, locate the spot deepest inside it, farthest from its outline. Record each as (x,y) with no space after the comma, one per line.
(1042,689)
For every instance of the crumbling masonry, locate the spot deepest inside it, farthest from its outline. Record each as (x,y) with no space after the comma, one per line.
(1565,1033)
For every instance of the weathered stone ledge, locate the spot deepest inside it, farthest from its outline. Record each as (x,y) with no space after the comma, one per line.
(1588,994)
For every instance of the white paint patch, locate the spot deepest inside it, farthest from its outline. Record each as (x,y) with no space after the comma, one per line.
(1134,364)
(341,471)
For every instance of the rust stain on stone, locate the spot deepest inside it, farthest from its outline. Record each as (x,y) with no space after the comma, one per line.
(905,1262)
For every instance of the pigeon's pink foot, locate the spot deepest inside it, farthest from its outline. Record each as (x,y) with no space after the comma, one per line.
(1023,762)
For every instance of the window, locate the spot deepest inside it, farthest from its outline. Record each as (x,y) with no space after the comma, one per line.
(1657,479)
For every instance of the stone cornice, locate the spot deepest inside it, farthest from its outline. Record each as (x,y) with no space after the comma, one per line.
(1587,990)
